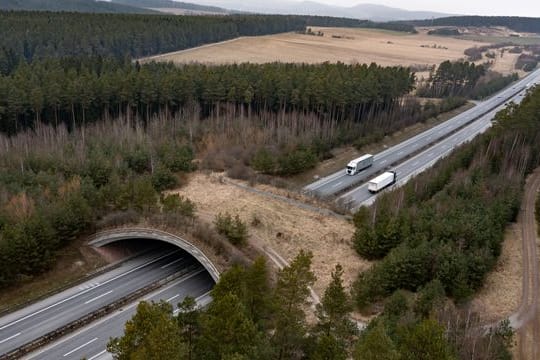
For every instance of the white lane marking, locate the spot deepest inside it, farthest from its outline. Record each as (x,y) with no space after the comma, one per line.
(172,262)
(9,338)
(84,291)
(98,297)
(415,163)
(80,347)
(172,298)
(399,153)
(382,162)
(97,355)
(337,184)
(430,154)
(88,286)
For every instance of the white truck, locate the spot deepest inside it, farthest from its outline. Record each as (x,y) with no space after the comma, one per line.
(380,182)
(359,164)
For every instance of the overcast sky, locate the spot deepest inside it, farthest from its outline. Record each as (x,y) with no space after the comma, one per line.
(473,7)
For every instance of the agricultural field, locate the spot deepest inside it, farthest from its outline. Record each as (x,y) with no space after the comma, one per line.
(347,45)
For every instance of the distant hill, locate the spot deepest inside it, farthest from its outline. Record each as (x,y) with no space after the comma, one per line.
(516,23)
(385,13)
(169,4)
(361,11)
(87,6)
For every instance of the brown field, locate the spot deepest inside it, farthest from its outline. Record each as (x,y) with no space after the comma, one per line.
(354,46)
(501,293)
(283,227)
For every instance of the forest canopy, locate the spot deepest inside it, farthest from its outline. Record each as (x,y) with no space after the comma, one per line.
(78,91)
(39,35)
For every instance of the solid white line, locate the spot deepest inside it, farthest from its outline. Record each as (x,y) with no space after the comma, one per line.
(337,184)
(172,298)
(99,296)
(173,262)
(85,291)
(9,338)
(97,355)
(80,347)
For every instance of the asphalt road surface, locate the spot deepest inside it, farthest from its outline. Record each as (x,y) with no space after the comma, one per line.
(388,158)
(361,196)
(90,342)
(25,325)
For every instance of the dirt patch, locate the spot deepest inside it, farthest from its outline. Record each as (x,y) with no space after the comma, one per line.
(282,226)
(74,262)
(501,293)
(347,45)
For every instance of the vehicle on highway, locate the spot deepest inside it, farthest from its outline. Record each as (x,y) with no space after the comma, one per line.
(359,164)
(380,182)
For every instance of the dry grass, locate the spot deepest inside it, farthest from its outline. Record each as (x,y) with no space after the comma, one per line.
(506,63)
(355,46)
(74,262)
(283,227)
(501,293)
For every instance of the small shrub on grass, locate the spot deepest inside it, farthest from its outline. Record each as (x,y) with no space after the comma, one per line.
(233,228)
(175,203)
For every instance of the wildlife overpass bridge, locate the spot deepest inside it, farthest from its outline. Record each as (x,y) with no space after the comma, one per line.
(106,237)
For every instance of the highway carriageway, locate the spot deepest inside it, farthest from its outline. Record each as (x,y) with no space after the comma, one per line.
(360,196)
(385,160)
(91,341)
(40,318)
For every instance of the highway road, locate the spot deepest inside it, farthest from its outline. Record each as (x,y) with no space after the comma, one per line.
(339,181)
(90,342)
(30,323)
(361,196)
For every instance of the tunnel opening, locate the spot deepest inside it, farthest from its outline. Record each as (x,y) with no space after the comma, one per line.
(161,261)
(128,241)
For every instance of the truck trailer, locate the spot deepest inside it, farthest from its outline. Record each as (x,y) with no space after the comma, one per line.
(359,164)
(380,182)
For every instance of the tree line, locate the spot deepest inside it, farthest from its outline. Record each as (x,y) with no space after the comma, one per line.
(74,5)
(448,224)
(252,316)
(80,91)
(463,79)
(40,35)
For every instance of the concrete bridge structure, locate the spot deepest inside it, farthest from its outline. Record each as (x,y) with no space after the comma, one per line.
(106,237)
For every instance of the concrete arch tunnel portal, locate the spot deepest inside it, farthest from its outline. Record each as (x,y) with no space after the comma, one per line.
(105,238)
